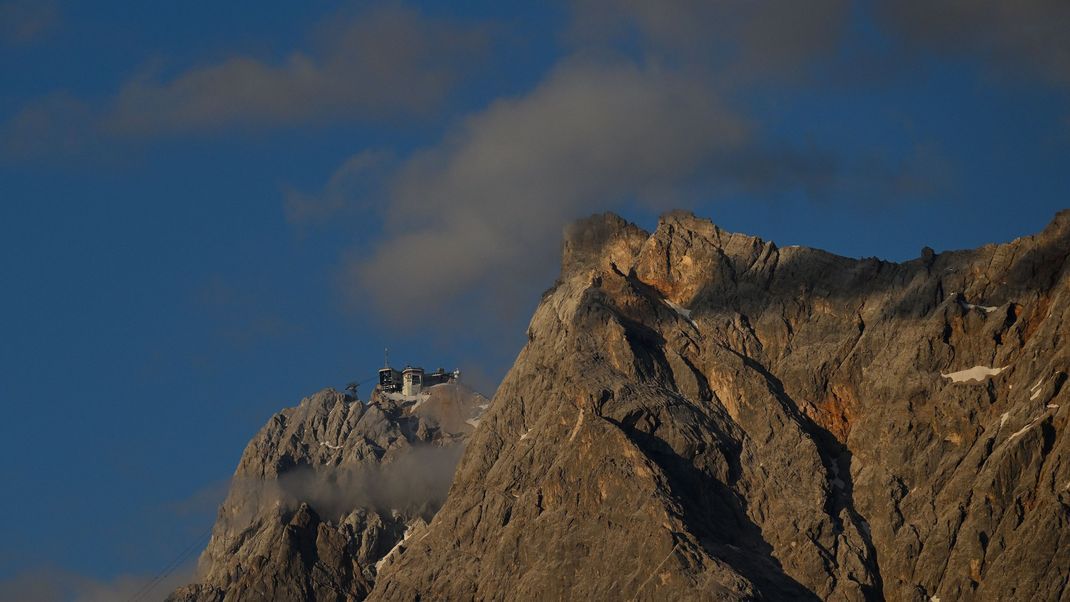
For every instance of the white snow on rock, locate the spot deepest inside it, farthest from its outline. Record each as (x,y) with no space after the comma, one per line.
(1032,423)
(977,373)
(681,310)
(576,429)
(1023,430)
(473,421)
(379,565)
(1003,419)
(985,308)
(525,435)
(1036,389)
(328,445)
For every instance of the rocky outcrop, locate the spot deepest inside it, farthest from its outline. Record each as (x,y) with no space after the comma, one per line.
(698,415)
(703,415)
(327,491)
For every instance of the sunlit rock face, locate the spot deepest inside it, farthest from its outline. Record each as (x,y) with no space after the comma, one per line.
(704,415)
(699,415)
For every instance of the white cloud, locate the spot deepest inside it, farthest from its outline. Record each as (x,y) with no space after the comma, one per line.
(379,64)
(484,209)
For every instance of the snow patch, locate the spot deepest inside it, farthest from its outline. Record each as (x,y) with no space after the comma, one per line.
(1003,419)
(1022,430)
(328,445)
(378,565)
(525,435)
(681,310)
(1052,406)
(977,373)
(473,421)
(576,429)
(1036,389)
(985,308)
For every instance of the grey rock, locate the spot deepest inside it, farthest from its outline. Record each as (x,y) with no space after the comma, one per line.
(702,415)
(327,489)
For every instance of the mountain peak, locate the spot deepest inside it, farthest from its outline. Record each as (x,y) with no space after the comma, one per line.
(600,241)
(699,414)
(327,489)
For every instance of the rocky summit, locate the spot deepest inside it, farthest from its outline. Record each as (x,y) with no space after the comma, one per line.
(702,415)
(326,491)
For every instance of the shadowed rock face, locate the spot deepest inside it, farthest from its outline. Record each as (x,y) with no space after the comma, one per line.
(701,415)
(326,491)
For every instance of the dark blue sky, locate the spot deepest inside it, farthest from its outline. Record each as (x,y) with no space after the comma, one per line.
(204,207)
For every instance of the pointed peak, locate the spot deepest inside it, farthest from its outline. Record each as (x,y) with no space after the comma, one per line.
(600,239)
(1059,225)
(685,219)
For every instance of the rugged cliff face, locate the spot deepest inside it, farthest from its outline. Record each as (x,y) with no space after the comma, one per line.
(326,491)
(702,415)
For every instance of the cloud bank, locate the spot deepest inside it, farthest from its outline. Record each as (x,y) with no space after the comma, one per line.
(414,481)
(744,41)
(25,21)
(383,63)
(1015,38)
(472,222)
(388,62)
(486,206)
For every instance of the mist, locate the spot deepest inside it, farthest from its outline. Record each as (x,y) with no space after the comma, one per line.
(413,482)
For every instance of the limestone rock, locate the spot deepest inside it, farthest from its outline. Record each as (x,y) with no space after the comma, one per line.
(327,489)
(702,415)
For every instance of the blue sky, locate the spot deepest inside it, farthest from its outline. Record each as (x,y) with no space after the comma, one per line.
(203,207)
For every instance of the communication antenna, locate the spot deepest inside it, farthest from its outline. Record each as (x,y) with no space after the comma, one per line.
(386,357)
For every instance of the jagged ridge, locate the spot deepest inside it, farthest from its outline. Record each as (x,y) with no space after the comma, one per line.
(703,415)
(327,490)
(700,414)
